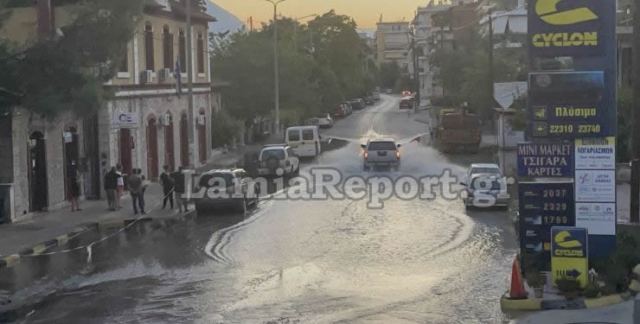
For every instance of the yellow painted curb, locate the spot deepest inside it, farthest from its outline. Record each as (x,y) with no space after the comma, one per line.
(62,239)
(604,301)
(520,304)
(111,224)
(39,249)
(12,260)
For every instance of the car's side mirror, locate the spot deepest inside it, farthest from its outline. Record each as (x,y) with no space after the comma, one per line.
(364,146)
(399,145)
(463,184)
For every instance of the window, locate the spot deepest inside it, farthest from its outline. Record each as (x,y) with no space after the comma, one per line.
(307,135)
(294,135)
(148,46)
(200,55)
(182,40)
(124,63)
(167,44)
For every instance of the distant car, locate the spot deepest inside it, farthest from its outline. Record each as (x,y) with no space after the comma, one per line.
(340,111)
(376,95)
(322,122)
(407,103)
(348,108)
(486,186)
(233,189)
(369,100)
(381,153)
(388,91)
(357,104)
(278,160)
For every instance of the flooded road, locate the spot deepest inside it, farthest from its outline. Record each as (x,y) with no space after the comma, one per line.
(302,261)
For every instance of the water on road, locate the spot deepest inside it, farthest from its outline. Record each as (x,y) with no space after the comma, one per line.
(315,261)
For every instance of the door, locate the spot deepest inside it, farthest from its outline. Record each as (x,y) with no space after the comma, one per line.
(152,149)
(184,140)
(126,145)
(202,143)
(71,158)
(170,157)
(38,173)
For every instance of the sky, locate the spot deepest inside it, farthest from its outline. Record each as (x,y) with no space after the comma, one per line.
(365,12)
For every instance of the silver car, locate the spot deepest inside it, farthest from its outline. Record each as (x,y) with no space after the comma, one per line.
(381,153)
(226,189)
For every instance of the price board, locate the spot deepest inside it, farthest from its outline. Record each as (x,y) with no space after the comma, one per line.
(542,206)
(568,105)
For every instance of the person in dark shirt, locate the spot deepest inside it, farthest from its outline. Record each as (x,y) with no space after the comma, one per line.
(179,189)
(166,180)
(110,187)
(136,189)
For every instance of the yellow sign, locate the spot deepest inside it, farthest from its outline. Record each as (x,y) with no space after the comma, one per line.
(569,254)
(548,11)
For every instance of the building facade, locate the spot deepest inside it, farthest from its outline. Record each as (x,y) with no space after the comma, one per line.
(393,43)
(145,125)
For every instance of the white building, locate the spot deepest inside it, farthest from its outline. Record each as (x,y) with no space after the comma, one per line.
(427,34)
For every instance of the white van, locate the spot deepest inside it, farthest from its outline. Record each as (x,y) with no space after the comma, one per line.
(304,140)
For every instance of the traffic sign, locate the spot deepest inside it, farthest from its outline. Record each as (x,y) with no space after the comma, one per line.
(569,254)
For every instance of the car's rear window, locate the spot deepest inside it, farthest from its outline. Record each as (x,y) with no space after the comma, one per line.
(382,146)
(485,170)
(307,135)
(484,183)
(294,135)
(277,153)
(216,180)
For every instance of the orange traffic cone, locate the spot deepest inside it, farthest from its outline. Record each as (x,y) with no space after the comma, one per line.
(517,290)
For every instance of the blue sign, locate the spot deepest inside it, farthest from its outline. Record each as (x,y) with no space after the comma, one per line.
(570,105)
(570,27)
(542,206)
(545,160)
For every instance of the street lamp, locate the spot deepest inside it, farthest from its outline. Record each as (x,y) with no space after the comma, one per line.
(276,67)
(295,32)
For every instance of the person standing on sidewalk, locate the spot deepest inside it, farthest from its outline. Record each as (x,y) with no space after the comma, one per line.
(179,189)
(110,187)
(120,189)
(136,188)
(74,194)
(167,187)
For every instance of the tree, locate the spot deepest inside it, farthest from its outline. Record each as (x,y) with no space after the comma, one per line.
(67,72)
(321,64)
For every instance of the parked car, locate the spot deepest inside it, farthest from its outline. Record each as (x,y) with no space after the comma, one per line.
(376,95)
(487,179)
(304,140)
(233,189)
(348,108)
(381,153)
(278,160)
(340,112)
(322,122)
(368,100)
(388,91)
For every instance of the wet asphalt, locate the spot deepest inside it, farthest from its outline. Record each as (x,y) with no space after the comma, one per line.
(286,261)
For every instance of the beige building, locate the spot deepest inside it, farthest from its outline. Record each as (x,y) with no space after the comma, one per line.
(393,43)
(145,126)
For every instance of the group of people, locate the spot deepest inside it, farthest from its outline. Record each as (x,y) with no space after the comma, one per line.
(136,184)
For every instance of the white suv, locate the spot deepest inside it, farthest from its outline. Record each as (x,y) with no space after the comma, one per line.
(278,160)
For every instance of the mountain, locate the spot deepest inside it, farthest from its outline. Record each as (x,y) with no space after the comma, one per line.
(225,20)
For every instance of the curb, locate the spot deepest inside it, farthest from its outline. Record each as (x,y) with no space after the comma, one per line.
(536,304)
(41,248)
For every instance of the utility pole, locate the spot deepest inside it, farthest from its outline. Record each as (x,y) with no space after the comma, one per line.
(635,163)
(276,63)
(491,77)
(190,115)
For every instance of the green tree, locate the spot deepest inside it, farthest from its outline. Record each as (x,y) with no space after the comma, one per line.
(68,72)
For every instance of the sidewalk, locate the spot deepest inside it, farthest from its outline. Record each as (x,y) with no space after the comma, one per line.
(619,314)
(57,226)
